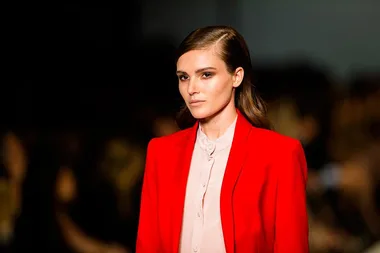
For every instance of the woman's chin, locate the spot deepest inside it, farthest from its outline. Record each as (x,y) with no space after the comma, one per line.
(198,115)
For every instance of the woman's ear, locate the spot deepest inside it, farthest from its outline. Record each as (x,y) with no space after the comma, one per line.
(238,77)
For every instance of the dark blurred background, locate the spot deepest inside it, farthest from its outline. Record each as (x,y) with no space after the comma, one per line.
(89,86)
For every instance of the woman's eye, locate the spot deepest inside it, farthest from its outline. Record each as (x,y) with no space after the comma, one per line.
(182,77)
(207,74)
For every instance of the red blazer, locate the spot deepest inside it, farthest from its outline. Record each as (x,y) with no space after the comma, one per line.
(263,200)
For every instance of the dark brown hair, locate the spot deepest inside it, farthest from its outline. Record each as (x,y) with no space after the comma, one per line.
(234,52)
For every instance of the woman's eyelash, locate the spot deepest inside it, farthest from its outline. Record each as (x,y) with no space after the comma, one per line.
(207,74)
(182,77)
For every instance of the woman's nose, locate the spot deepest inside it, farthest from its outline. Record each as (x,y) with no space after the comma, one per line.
(192,88)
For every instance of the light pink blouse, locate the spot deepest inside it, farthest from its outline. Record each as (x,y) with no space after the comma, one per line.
(201,226)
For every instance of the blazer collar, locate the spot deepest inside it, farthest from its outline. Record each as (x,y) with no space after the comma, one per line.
(233,168)
(234,165)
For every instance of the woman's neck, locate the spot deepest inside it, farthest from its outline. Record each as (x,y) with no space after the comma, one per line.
(217,125)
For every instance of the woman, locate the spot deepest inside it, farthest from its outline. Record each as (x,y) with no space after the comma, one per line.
(227,183)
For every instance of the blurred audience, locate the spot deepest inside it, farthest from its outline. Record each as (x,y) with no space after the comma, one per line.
(77,188)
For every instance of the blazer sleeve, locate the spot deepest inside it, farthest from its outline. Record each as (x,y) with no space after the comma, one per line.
(291,224)
(147,234)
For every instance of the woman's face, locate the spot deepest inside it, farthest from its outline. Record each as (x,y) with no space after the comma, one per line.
(205,83)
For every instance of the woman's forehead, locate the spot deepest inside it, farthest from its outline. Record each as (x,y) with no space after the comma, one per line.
(199,59)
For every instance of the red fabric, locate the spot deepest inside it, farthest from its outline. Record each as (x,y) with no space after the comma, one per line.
(263,200)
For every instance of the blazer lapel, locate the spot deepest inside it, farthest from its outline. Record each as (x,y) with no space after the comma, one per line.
(234,165)
(181,173)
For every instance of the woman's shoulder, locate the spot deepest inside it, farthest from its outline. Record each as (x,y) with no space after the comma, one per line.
(282,152)
(273,139)
(169,140)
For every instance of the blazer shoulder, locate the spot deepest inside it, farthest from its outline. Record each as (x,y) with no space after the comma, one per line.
(284,153)
(169,140)
(274,140)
